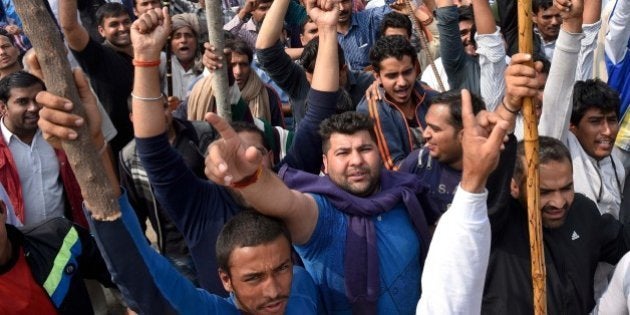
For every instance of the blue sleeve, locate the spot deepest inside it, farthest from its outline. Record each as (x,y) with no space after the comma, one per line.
(183,195)
(296,14)
(454,58)
(147,280)
(290,77)
(306,155)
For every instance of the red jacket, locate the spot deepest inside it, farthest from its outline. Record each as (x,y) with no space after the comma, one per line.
(11,181)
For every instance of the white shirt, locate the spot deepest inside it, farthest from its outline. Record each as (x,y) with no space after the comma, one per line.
(181,78)
(38,169)
(455,269)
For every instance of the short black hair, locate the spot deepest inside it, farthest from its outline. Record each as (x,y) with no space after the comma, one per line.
(6,34)
(243,126)
(309,55)
(245,229)
(19,79)
(545,62)
(303,24)
(395,20)
(391,46)
(453,99)
(466,13)
(593,93)
(239,46)
(110,9)
(346,123)
(550,149)
(543,5)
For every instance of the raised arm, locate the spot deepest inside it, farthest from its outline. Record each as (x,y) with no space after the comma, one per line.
(556,111)
(272,25)
(618,32)
(148,35)
(230,163)
(491,51)
(76,35)
(591,24)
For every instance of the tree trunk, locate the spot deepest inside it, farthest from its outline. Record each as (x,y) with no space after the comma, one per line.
(82,155)
(220,86)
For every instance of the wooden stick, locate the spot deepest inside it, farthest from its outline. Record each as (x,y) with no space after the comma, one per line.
(220,86)
(169,53)
(537,252)
(82,155)
(424,43)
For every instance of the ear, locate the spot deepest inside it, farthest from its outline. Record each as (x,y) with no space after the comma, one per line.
(460,135)
(3,108)
(515,191)
(101,30)
(377,77)
(225,280)
(534,17)
(573,128)
(325,162)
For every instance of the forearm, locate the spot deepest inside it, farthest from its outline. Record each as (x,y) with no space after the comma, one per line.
(326,72)
(270,196)
(455,268)
(592,11)
(484,19)
(556,111)
(148,115)
(76,35)
(272,24)
(294,53)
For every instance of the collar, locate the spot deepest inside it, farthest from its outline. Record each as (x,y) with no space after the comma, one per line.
(251,26)
(6,133)
(542,40)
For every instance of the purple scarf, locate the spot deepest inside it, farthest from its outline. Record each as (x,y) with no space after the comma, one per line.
(361,260)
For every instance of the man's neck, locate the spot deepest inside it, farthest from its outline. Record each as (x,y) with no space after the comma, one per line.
(344,28)
(5,254)
(25,136)
(125,49)
(186,65)
(6,71)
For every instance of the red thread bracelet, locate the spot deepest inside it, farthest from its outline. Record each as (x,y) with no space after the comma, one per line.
(248,180)
(143,63)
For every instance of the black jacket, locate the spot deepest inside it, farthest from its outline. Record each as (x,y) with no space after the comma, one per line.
(572,252)
(58,237)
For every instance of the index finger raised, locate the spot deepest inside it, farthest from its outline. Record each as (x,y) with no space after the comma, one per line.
(468,118)
(221,126)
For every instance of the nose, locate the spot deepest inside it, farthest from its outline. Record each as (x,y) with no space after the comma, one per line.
(557,200)
(606,128)
(426,134)
(271,288)
(356,158)
(237,70)
(33,106)
(556,20)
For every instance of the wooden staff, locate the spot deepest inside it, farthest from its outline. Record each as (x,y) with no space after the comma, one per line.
(220,86)
(169,53)
(82,155)
(424,43)
(537,252)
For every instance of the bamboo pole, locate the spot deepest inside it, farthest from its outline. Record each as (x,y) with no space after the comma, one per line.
(220,86)
(424,43)
(525,45)
(82,155)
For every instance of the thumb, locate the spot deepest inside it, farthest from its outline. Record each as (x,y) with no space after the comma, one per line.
(495,140)
(167,19)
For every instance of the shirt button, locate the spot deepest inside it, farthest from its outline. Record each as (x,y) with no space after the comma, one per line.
(379,218)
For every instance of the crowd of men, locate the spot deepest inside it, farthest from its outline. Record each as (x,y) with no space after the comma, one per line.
(373,162)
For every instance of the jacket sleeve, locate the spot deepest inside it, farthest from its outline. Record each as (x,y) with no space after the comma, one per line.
(91,262)
(307,155)
(148,282)
(454,58)
(618,35)
(289,76)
